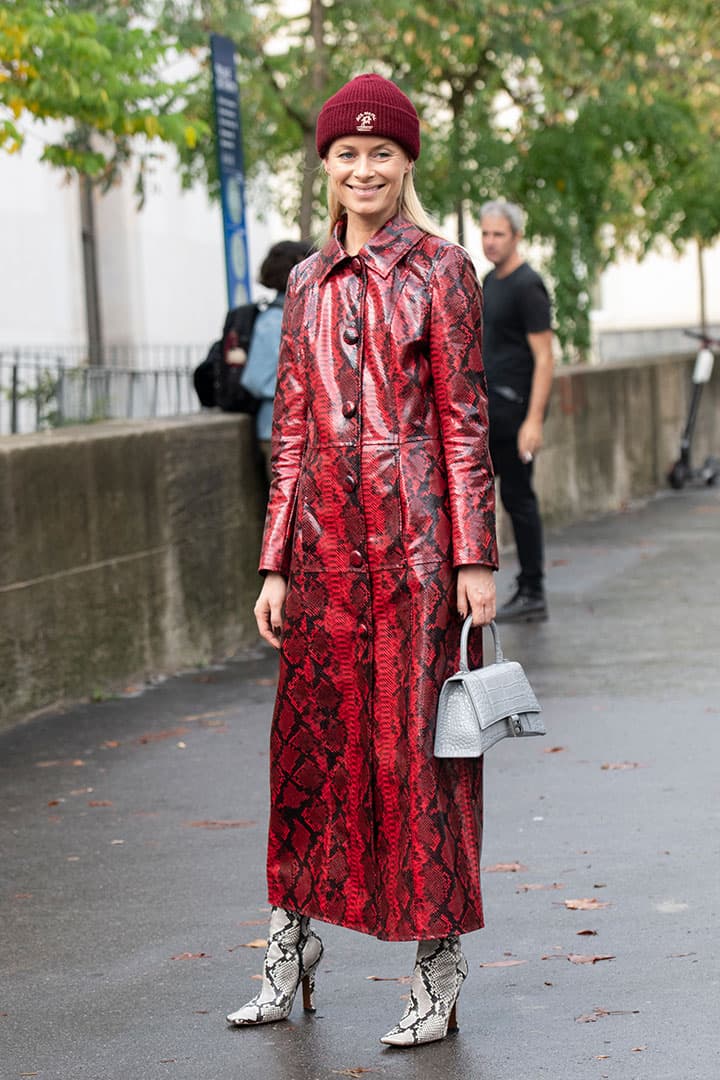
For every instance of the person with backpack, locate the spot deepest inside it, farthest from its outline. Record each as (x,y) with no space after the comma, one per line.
(240,371)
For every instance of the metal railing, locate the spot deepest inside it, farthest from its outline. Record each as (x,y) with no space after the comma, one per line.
(41,389)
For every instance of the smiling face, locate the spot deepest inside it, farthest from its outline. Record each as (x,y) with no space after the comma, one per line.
(366,176)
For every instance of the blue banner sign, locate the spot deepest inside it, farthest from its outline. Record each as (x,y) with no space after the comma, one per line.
(228,135)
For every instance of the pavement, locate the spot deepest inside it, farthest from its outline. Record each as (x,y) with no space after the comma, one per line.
(132,833)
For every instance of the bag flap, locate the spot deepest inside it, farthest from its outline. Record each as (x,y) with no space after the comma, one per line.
(498,691)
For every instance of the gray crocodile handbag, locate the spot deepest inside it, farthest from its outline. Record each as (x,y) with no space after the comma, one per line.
(478,708)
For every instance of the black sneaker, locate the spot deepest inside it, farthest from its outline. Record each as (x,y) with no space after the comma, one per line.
(523,607)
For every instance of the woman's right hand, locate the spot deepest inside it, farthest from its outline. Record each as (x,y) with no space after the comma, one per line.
(269,608)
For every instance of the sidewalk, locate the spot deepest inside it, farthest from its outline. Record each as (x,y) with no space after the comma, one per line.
(132,834)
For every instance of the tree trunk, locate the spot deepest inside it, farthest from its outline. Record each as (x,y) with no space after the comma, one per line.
(460,212)
(90,273)
(319,83)
(307,196)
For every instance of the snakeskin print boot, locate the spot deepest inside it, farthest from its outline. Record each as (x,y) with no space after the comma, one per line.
(440,969)
(292,956)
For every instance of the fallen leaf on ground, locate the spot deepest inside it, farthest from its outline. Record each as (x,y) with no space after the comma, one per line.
(54,802)
(585,903)
(405,979)
(620,765)
(99,802)
(601,1057)
(637,1049)
(503,868)
(586,933)
(680,955)
(553,749)
(191,956)
(167,1061)
(219,824)
(535,888)
(201,1012)
(111,744)
(502,963)
(577,958)
(117,842)
(23,896)
(257,943)
(200,718)
(359,1070)
(82,791)
(75,762)
(158,736)
(597,1013)
(263,682)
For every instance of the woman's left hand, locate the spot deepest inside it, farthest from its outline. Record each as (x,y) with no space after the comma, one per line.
(476,593)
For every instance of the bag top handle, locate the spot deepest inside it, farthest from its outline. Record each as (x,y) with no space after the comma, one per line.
(467,626)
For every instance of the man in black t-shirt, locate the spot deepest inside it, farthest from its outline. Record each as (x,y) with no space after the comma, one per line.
(517,351)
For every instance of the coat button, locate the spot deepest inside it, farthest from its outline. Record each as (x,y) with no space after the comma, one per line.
(348,409)
(356,558)
(351,335)
(356,264)
(363,630)
(349,483)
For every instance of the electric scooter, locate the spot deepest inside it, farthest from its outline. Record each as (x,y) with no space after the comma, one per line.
(683,471)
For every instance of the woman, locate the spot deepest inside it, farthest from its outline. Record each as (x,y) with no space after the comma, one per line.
(379,539)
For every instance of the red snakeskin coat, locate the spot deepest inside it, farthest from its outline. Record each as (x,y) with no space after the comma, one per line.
(382,485)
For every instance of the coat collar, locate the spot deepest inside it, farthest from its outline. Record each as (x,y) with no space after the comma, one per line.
(382,252)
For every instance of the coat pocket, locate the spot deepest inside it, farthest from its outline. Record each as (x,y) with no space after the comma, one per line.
(382,505)
(424,499)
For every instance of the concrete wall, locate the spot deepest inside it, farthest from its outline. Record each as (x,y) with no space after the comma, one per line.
(130,549)
(127,549)
(613,432)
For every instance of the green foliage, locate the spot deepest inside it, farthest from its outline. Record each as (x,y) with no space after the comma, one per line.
(600,119)
(103,69)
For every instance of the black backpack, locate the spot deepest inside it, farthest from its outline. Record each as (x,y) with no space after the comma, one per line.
(218,382)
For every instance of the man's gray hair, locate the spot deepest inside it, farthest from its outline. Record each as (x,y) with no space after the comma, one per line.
(513,214)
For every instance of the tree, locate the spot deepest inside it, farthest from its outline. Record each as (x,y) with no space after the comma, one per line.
(99,72)
(102,72)
(579,111)
(601,119)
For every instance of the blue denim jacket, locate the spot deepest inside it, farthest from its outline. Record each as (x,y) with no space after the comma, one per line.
(260,375)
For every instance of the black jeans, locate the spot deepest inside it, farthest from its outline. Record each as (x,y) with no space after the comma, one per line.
(520,501)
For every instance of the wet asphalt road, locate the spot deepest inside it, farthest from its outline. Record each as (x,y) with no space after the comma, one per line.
(132,834)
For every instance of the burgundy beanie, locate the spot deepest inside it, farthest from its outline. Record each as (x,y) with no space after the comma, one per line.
(369,105)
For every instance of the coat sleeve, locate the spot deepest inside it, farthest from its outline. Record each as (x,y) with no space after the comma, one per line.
(461,396)
(288,443)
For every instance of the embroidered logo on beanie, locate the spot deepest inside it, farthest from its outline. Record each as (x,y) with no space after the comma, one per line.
(365,122)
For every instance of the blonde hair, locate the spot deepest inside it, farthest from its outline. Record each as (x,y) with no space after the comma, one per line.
(409,207)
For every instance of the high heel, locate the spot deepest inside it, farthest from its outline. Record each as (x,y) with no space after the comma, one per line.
(440,970)
(292,957)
